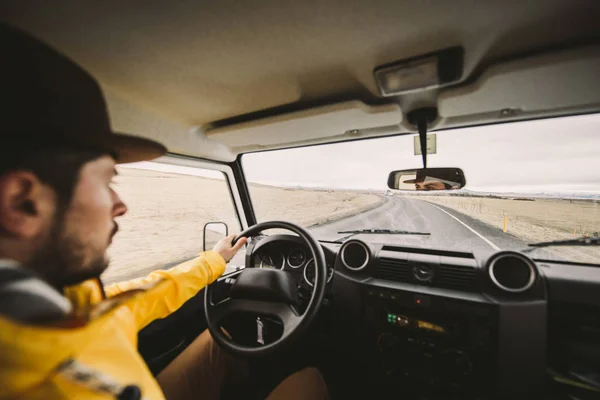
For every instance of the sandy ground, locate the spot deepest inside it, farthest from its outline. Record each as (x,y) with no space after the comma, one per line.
(167,213)
(535,221)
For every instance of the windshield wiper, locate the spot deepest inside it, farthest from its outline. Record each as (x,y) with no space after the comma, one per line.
(583,241)
(379,232)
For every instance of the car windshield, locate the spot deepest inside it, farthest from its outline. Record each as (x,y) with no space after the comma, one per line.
(527,182)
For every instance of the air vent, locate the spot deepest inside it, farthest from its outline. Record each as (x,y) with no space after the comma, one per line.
(512,272)
(454,277)
(444,276)
(393,270)
(355,255)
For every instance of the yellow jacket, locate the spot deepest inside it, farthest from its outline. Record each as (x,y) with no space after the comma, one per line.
(31,356)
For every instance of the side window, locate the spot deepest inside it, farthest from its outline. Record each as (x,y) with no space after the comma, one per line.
(168,206)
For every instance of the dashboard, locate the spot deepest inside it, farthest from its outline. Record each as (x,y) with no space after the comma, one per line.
(445,323)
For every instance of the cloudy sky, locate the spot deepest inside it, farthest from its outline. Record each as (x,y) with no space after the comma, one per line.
(545,155)
(552,155)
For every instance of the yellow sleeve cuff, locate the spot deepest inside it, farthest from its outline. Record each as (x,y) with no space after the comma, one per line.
(216,264)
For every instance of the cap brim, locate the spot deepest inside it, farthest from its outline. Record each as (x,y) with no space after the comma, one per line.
(410,181)
(128,148)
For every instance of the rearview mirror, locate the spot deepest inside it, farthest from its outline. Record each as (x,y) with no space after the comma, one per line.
(427,179)
(213,232)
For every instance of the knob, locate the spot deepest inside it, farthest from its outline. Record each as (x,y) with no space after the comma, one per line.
(457,362)
(387,341)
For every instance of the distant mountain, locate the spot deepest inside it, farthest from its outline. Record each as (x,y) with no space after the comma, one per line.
(547,195)
(461,192)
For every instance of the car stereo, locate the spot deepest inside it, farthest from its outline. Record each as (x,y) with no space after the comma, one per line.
(433,345)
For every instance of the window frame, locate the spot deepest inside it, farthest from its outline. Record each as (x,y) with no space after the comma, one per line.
(186,161)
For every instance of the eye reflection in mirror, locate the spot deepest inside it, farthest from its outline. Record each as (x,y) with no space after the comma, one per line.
(427,179)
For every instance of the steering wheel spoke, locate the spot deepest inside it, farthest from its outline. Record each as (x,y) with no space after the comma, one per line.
(285,312)
(290,319)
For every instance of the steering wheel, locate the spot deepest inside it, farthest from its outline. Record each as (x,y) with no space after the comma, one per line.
(267,291)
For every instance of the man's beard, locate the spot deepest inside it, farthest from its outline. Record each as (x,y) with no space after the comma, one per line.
(61,260)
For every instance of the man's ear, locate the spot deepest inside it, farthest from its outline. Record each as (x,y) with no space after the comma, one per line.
(26,204)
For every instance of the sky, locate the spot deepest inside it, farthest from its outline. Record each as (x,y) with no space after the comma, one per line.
(550,155)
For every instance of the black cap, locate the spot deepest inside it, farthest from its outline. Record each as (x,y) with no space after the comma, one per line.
(51,101)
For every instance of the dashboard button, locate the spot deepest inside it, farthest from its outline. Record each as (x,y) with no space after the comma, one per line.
(422,301)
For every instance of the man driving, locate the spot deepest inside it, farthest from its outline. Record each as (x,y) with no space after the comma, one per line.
(62,334)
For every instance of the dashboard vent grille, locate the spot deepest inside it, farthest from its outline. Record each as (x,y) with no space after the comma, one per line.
(393,270)
(454,277)
(446,276)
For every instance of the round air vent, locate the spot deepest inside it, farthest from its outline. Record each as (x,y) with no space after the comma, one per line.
(355,255)
(512,272)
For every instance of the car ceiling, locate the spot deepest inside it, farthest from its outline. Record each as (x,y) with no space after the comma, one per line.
(221,66)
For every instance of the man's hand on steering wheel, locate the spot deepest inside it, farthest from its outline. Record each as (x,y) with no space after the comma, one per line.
(225,248)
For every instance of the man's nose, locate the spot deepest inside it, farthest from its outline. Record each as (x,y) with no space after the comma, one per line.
(119,208)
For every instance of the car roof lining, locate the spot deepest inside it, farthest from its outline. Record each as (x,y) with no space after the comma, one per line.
(181,73)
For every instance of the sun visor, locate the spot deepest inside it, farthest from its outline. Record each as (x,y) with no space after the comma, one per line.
(545,84)
(342,121)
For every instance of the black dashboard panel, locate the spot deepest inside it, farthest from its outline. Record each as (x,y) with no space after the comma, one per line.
(445,323)
(440,329)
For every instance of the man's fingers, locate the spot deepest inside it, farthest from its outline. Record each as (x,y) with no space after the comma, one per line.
(238,245)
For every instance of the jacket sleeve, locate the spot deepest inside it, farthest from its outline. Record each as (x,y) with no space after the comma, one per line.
(179,284)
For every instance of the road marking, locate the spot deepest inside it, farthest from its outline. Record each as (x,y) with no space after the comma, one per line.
(468,227)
